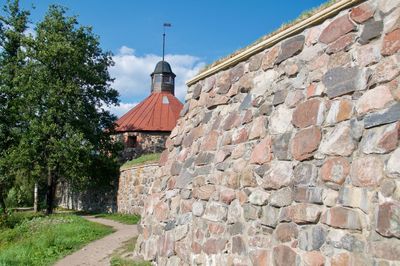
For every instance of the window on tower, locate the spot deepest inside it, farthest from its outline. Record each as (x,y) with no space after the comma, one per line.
(168,80)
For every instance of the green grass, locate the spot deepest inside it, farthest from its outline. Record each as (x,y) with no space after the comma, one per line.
(118,261)
(119,217)
(119,256)
(147,158)
(45,239)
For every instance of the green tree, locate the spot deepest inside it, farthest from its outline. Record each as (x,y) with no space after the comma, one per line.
(13,24)
(67,87)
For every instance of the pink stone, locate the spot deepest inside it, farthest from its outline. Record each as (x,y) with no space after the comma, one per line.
(203,192)
(335,170)
(305,142)
(260,257)
(388,219)
(163,158)
(227,195)
(284,256)
(161,211)
(314,258)
(258,128)
(368,54)
(362,13)
(301,213)
(240,136)
(343,43)
(308,113)
(340,217)
(336,29)
(210,143)
(262,152)
(340,110)
(214,246)
(366,171)
(312,35)
(374,99)
(391,43)
(269,58)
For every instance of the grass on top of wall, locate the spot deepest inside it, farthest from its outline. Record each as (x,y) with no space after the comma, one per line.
(42,240)
(144,159)
(119,217)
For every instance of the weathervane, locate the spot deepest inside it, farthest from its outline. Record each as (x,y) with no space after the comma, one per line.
(163,46)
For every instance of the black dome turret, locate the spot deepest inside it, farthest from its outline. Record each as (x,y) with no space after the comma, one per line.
(163,67)
(162,78)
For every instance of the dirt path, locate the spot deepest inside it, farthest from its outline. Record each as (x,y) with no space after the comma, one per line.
(98,252)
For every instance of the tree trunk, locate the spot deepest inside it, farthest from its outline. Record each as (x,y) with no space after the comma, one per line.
(50,191)
(2,204)
(35,197)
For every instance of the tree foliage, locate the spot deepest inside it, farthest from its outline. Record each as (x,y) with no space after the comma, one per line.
(13,24)
(65,85)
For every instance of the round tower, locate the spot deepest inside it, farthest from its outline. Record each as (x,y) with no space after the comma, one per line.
(162,78)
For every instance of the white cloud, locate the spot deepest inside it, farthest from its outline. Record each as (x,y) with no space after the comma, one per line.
(121,109)
(132,74)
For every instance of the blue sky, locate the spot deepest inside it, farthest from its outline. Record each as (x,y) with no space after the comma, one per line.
(201,32)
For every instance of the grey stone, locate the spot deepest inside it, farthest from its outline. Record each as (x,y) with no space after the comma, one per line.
(259,197)
(269,216)
(265,109)
(176,168)
(235,212)
(236,229)
(255,62)
(251,212)
(246,103)
(352,243)
(184,179)
(341,80)
(280,146)
(354,197)
(385,116)
(185,109)
(197,91)
(185,218)
(290,48)
(312,237)
(197,208)
(371,30)
(204,158)
(207,117)
(281,198)
(375,140)
(215,212)
(188,163)
(357,128)
(308,194)
(393,165)
(305,174)
(261,170)
(279,97)
(170,225)
(203,170)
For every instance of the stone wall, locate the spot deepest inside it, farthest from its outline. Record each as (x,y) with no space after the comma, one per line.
(291,157)
(99,199)
(135,185)
(146,142)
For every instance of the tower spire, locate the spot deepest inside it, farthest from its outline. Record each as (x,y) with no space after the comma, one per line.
(163,47)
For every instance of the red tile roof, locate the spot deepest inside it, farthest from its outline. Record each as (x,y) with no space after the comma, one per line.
(158,112)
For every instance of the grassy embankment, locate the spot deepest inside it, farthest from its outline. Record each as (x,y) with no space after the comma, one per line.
(119,217)
(34,239)
(144,159)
